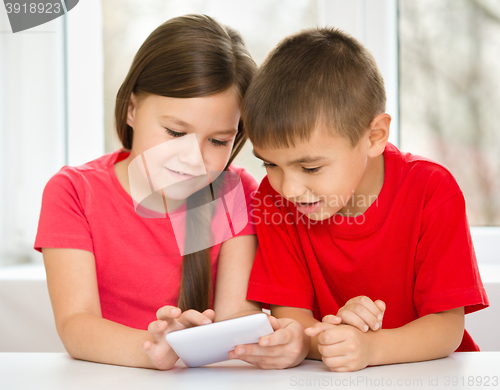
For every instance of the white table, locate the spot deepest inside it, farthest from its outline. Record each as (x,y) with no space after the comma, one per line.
(58,371)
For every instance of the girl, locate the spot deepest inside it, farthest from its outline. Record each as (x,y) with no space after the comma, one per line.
(110,271)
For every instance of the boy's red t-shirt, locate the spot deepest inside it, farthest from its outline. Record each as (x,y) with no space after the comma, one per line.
(411,248)
(138,261)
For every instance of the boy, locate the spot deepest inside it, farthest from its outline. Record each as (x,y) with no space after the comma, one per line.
(343,217)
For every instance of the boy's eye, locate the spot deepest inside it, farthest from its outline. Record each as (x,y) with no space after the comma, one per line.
(311,170)
(217,142)
(268,165)
(174,134)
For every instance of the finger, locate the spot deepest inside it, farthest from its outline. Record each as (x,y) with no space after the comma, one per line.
(336,362)
(366,302)
(193,318)
(146,346)
(371,306)
(264,362)
(332,319)
(157,330)
(352,315)
(210,314)
(381,305)
(158,356)
(243,350)
(332,350)
(257,350)
(350,318)
(342,369)
(280,337)
(318,328)
(274,323)
(169,314)
(336,334)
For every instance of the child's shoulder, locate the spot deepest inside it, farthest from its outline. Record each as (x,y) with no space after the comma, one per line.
(422,174)
(74,176)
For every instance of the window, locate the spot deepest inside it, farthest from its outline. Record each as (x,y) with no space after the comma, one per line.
(50,115)
(58,84)
(450,101)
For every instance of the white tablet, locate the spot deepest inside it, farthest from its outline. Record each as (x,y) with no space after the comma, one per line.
(206,344)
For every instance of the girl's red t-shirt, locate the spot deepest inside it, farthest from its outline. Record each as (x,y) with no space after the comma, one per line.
(138,261)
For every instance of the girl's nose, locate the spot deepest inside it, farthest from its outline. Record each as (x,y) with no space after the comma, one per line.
(191,154)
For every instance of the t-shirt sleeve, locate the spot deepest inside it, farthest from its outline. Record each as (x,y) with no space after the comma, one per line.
(447,275)
(244,206)
(62,222)
(280,275)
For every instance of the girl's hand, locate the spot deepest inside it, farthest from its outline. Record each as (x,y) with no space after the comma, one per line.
(342,347)
(284,348)
(170,319)
(360,312)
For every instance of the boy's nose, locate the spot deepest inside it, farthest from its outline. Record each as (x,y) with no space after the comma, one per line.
(292,189)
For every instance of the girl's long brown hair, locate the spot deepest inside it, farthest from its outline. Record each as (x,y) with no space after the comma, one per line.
(185,57)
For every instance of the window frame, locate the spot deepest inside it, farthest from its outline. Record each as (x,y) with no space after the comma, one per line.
(52,90)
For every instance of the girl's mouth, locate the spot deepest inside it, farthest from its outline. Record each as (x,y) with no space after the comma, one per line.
(178,174)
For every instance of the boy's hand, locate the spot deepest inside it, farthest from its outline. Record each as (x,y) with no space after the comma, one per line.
(286,347)
(170,318)
(342,347)
(360,312)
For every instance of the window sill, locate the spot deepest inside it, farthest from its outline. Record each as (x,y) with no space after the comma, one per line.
(490,273)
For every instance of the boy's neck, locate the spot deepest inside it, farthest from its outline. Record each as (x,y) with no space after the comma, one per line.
(368,190)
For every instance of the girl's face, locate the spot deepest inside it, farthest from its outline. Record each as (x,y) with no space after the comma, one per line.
(185,142)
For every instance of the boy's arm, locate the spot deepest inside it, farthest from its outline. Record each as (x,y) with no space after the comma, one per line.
(359,312)
(429,337)
(345,348)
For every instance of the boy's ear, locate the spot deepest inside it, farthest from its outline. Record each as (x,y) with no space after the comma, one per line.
(379,134)
(132,105)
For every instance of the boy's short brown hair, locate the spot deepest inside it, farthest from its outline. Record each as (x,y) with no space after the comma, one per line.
(318,76)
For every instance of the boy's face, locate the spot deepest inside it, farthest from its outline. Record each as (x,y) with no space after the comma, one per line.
(321,175)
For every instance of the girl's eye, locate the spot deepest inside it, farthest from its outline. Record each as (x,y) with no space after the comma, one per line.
(268,165)
(174,134)
(311,170)
(216,142)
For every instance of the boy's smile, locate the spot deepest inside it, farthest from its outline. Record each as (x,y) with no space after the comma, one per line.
(326,175)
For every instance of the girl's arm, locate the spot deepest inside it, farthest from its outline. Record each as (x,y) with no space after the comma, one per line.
(233,271)
(72,283)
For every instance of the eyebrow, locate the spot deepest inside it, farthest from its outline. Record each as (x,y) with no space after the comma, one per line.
(187,125)
(176,121)
(231,131)
(301,160)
